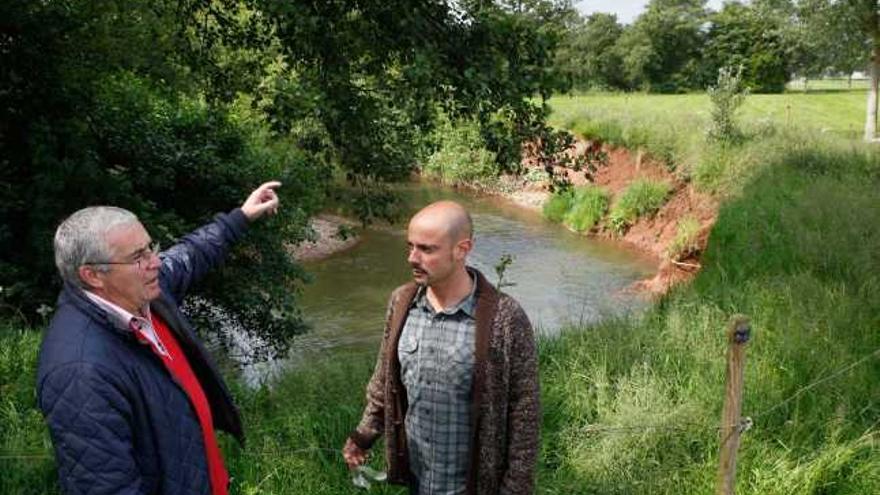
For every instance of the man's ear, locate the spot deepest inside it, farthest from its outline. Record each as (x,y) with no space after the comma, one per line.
(463,247)
(90,276)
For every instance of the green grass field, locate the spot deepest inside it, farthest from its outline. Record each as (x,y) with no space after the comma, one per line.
(632,406)
(840,114)
(673,130)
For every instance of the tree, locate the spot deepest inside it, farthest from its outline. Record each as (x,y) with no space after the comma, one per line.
(119,102)
(743,36)
(826,39)
(661,50)
(865,15)
(586,57)
(176,108)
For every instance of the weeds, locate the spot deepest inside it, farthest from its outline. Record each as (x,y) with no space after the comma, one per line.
(587,208)
(685,242)
(642,197)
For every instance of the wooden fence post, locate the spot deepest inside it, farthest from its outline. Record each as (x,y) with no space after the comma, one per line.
(738,335)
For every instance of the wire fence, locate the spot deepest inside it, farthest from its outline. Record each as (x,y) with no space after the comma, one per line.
(744,425)
(829,84)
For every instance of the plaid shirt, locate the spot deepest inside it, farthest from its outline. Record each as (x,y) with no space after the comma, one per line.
(437,361)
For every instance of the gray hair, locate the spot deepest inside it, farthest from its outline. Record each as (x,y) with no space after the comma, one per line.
(82,239)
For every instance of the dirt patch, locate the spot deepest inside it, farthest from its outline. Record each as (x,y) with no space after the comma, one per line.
(653,235)
(328,240)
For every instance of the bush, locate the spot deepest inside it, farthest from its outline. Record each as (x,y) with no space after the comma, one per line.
(726,96)
(588,206)
(462,157)
(642,197)
(558,205)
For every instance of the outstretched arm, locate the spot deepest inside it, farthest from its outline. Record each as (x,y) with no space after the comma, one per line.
(205,248)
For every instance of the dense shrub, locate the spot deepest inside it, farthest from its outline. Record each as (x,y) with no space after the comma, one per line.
(461,157)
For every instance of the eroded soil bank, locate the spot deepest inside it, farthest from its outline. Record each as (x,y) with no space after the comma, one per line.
(651,234)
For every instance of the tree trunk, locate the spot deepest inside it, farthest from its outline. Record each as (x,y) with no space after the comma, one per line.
(871,120)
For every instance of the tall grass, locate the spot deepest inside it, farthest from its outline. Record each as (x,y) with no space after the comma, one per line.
(642,197)
(796,248)
(556,207)
(588,207)
(685,241)
(26,465)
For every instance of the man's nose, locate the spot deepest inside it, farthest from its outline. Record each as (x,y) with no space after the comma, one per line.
(153,262)
(413,257)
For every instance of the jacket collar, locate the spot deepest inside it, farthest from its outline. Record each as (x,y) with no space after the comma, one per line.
(76,297)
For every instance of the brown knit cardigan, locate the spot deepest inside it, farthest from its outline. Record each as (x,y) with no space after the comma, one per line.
(506,407)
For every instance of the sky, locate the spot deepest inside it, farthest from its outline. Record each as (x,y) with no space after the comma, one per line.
(626,10)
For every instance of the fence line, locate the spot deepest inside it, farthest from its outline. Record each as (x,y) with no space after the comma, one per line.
(744,425)
(820,381)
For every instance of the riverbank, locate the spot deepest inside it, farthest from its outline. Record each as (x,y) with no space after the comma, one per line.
(653,234)
(332,234)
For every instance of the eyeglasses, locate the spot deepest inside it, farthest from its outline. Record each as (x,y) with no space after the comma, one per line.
(142,257)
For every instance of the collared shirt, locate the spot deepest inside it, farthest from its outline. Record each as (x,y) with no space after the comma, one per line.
(125,320)
(436,351)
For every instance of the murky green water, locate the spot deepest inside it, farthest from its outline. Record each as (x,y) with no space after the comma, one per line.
(560,277)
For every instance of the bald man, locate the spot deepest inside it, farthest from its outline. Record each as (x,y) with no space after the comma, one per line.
(455,388)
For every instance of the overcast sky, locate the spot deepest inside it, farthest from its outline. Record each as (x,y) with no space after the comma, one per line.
(626,10)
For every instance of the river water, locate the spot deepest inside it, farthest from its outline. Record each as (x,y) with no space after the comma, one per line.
(560,278)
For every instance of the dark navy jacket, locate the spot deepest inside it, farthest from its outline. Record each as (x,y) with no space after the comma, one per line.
(119,422)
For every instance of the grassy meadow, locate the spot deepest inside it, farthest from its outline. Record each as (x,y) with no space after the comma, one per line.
(632,406)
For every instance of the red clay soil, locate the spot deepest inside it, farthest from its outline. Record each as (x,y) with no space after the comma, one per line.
(652,235)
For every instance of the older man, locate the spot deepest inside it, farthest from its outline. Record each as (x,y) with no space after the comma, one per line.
(455,388)
(129,393)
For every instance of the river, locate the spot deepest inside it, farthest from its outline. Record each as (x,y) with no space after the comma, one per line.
(560,278)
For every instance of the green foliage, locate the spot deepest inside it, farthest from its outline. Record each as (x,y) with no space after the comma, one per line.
(25,448)
(679,45)
(830,37)
(586,58)
(587,207)
(642,197)
(727,95)
(753,38)
(461,157)
(556,207)
(176,109)
(661,49)
(374,72)
(685,242)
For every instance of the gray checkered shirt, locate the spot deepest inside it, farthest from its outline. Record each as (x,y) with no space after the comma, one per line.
(437,361)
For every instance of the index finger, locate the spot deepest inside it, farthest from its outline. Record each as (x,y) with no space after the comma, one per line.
(272,184)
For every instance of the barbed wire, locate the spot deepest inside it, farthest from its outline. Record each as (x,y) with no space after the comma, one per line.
(818,382)
(744,425)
